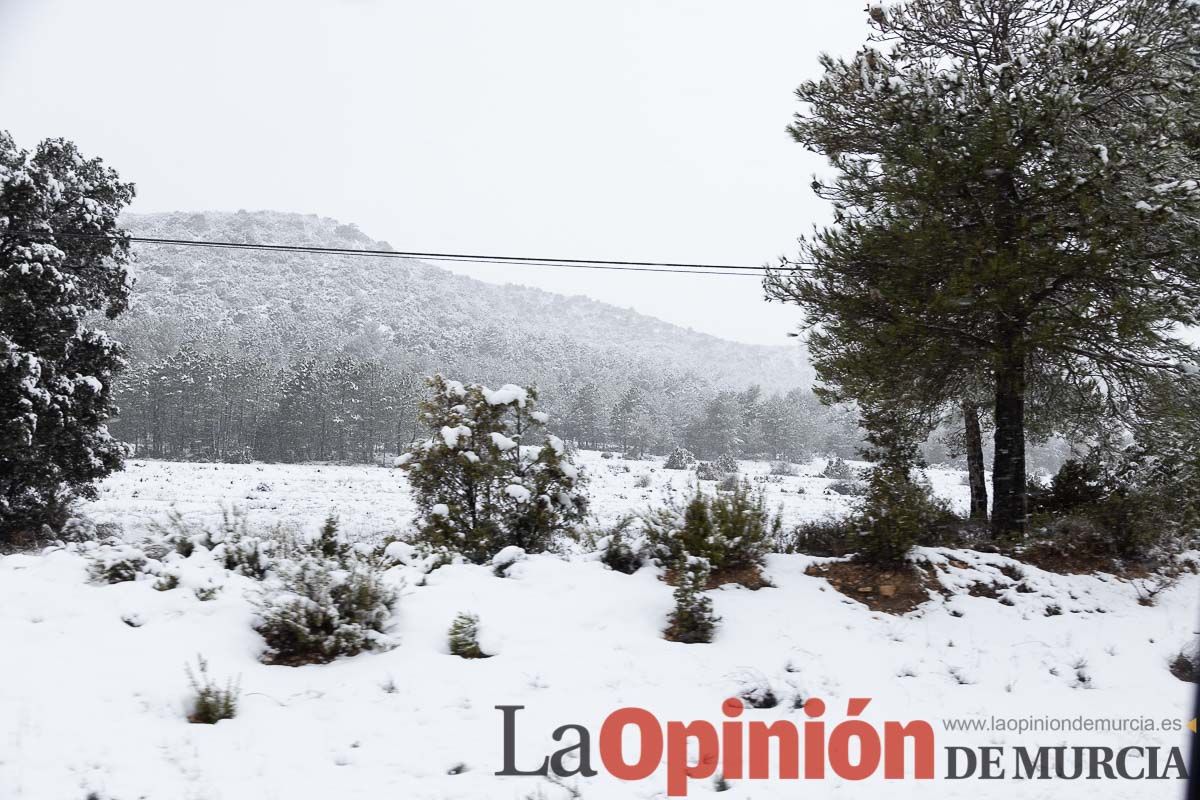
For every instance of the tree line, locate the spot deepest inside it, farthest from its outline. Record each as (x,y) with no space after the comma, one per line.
(221,404)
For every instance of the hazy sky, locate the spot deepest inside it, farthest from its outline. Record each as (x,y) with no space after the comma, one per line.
(623,129)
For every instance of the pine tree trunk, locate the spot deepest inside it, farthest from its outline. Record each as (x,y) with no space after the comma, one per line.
(1008,471)
(975,475)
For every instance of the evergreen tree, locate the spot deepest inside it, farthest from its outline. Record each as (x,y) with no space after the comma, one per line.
(62,258)
(490,476)
(1016,195)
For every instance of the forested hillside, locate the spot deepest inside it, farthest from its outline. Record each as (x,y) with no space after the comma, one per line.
(292,356)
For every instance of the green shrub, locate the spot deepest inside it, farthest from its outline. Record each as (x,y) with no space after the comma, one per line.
(117,562)
(618,554)
(895,514)
(320,609)
(692,621)
(731,531)
(680,459)
(211,703)
(827,537)
(464,637)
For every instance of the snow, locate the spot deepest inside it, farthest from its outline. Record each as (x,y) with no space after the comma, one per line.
(505,395)
(451,436)
(502,442)
(440,510)
(518,492)
(93,693)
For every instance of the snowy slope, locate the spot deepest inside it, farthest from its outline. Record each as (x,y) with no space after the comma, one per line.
(92,704)
(429,316)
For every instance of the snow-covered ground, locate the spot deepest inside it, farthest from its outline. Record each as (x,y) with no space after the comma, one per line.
(90,704)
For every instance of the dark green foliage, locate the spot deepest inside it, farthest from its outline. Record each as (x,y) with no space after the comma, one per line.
(56,372)
(692,621)
(464,637)
(212,703)
(896,513)
(329,543)
(680,459)
(705,471)
(490,476)
(827,537)
(320,610)
(726,464)
(618,554)
(1078,483)
(731,531)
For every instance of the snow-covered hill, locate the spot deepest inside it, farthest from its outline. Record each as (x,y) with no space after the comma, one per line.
(572,641)
(407,310)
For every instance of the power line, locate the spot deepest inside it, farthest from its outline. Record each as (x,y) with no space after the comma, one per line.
(679,268)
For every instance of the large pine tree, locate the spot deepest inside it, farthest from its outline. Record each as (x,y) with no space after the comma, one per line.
(1015,195)
(62,258)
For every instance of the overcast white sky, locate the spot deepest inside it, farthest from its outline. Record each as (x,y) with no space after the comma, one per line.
(623,129)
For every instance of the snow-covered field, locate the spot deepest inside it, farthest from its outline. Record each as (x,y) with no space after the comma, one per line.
(93,706)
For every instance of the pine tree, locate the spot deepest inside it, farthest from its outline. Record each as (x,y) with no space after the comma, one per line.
(1015,196)
(62,259)
(692,621)
(490,476)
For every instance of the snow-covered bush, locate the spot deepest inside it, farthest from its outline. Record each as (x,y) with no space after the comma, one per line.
(117,562)
(490,476)
(211,702)
(618,554)
(643,482)
(726,464)
(705,471)
(784,468)
(837,469)
(317,609)
(464,637)
(848,488)
(731,531)
(692,620)
(680,459)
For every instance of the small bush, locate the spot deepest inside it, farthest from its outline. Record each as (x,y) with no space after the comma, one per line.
(848,488)
(728,483)
(784,468)
(643,482)
(729,532)
(320,609)
(117,562)
(1186,664)
(329,543)
(607,455)
(464,637)
(894,516)
(680,459)
(211,702)
(692,621)
(618,554)
(706,471)
(827,537)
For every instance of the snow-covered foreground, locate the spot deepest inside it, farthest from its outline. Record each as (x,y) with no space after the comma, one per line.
(92,704)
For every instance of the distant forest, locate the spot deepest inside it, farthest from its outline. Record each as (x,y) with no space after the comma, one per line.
(237,356)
